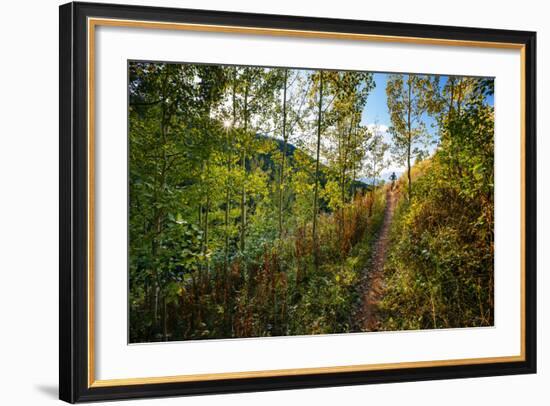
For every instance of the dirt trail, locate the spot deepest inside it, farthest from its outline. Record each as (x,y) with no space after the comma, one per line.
(372,284)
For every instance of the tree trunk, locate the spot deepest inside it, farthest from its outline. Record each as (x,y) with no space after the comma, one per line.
(228,186)
(226,214)
(449,119)
(206,212)
(164,319)
(346,142)
(316,188)
(451,101)
(354,163)
(373,186)
(199,215)
(159,214)
(409,140)
(458,112)
(283,160)
(243,168)
(156,309)
(342,168)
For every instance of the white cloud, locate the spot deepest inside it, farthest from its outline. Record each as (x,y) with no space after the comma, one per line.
(393,166)
(381,127)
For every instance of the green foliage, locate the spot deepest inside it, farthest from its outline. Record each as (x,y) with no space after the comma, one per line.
(410,97)
(440,267)
(221,202)
(247,215)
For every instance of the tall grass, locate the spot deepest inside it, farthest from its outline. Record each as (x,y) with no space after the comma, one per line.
(439,271)
(280,291)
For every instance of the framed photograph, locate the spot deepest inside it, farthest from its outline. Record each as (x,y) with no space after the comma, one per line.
(256,202)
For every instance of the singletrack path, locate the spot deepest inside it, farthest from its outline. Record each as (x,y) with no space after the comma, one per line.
(372,284)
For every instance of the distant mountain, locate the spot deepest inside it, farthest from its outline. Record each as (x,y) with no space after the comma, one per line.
(370,181)
(386,174)
(268,162)
(384,177)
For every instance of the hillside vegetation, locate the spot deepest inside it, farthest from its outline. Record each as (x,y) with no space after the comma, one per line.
(247,216)
(439,271)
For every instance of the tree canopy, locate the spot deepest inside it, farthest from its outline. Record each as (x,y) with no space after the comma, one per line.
(256,195)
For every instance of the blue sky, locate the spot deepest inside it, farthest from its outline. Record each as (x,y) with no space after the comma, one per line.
(377,108)
(376,113)
(376,116)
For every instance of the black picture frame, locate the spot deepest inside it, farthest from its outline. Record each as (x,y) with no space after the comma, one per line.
(73,255)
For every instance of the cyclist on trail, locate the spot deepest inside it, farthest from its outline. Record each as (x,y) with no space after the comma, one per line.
(393,178)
